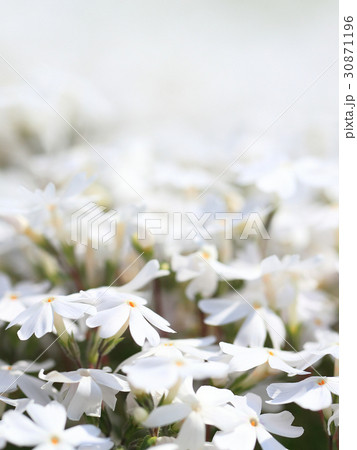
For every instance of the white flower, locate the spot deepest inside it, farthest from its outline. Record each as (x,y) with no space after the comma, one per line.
(157,373)
(84,390)
(45,430)
(328,344)
(148,273)
(15,376)
(335,417)
(128,310)
(245,358)
(41,206)
(312,393)
(15,299)
(40,318)
(279,175)
(284,278)
(203,270)
(205,407)
(199,348)
(250,425)
(259,320)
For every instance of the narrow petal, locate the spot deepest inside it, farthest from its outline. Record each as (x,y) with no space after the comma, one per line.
(71,309)
(87,399)
(267,441)
(192,433)
(155,319)
(51,417)
(167,414)
(110,320)
(286,392)
(275,327)
(223,311)
(244,358)
(253,331)
(213,396)
(20,430)
(109,380)
(254,402)
(279,364)
(141,330)
(8,381)
(149,272)
(83,435)
(280,424)
(31,387)
(243,435)
(220,417)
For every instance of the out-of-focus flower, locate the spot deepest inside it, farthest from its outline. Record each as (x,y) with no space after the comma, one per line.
(203,270)
(250,425)
(15,298)
(84,390)
(281,176)
(156,373)
(40,318)
(199,348)
(42,204)
(45,430)
(312,393)
(15,376)
(327,344)
(196,409)
(148,273)
(245,358)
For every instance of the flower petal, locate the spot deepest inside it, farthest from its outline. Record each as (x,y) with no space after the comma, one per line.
(244,435)
(167,414)
(267,441)
(280,424)
(192,433)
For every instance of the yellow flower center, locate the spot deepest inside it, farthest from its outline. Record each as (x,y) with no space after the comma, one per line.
(132,304)
(49,299)
(321,382)
(253,422)
(271,353)
(13,297)
(205,255)
(54,440)
(51,207)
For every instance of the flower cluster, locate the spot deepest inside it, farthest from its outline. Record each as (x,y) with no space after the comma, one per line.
(200,340)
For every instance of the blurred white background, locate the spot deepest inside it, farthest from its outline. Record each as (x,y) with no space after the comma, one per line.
(219,69)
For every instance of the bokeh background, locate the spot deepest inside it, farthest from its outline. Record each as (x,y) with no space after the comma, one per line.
(220,70)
